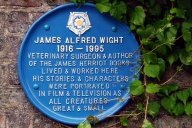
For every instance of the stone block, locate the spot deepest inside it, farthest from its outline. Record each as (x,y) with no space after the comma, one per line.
(167,122)
(14,42)
(17,120)
(24,3)
(14,100)
(2,120)
(2,47)
(34,17)
(55,2)
(16,16)
(9,47)
(3,74)
(2,22)
(41,121)
(18,27)
(13,76)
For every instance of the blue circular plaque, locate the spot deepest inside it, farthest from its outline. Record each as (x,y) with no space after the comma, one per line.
(76,62)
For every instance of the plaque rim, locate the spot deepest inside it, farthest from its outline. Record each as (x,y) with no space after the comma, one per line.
(51,114)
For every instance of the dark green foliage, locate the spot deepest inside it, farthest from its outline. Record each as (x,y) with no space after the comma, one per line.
(168,89)
(137,88)
(115,8)
(152,88)
(164,30)
(79,1)
(168,103)
(84,125)
(183,96)
(153,108)
(188,109)
(124,121)
(178,109)
(147,124)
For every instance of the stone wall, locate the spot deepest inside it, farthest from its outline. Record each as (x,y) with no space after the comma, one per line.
(16,16)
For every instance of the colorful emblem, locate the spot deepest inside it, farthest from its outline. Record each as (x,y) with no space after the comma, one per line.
(78,22)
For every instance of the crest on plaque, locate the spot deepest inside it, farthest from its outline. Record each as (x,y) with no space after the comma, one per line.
(78,22)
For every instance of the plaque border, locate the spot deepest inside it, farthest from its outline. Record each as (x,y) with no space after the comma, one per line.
(38,105)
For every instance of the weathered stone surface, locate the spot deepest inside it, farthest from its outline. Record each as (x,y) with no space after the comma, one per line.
(13,99)
(15,42)
(3,47)
(17,120)
(34,16)
(25,3)
(1,43)
(3,75)
(13,76)
(9,47)
(2,120)
(182,78)
(41,121)
(173,122)
(17,16)
(2,22)
(55,2)
(18,27)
